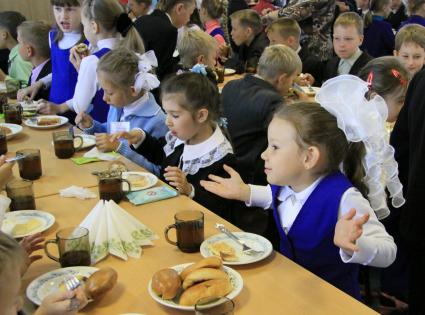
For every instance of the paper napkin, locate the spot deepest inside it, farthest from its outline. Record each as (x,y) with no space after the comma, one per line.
(78,192)
(151,195)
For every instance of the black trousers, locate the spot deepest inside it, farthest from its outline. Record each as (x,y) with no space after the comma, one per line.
(416,280)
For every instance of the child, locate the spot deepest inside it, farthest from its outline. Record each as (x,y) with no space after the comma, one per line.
(195,145)
(388,78)
(106,26)
(210,13)
(159,31)
(416,9)
(398,14)
(19,70)
(126,82)
(248,35)
(378,33)
(410,47)
(33,39)
(362,7)
(347,38)
(314,203)
(138,8)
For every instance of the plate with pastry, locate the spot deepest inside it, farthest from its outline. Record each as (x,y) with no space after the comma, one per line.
(181,286)
(139,180)
(95,282)
(23,223)
(231,253)
(10,129)
(46,122)
(228,71)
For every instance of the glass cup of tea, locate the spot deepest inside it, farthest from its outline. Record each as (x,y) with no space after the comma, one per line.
(110,186)
(220,74)
(3,101)
(73,247)
(29,163)
(21,194)
(189,225)
(3,142)
(223,306)
(12,113)
(64,144)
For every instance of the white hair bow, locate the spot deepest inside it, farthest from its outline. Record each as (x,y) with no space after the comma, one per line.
(145,80)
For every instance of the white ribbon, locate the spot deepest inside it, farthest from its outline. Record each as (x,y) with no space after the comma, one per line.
(363,120)
(144,80)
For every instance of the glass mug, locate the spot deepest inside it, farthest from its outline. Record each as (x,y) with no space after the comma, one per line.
(189,225)
(29,164)
(63,142)
(21,194)
(73,245)
(110,186)
(12,113)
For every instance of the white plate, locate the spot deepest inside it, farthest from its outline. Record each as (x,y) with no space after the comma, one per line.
(88,141)
(235,279)
(228,71)
(254,241)
(14,128)
(150,180)
(306,89)
(48,283)
(32,124)
(43,219)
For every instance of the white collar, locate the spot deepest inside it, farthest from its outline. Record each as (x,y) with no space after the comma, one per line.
(353,57)
(107,43)
(300,197)
(194,151)
(139,108)
(169,17)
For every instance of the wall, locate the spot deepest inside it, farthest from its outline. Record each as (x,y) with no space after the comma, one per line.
(31,9)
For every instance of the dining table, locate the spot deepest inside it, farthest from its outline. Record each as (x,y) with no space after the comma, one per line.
(274,285)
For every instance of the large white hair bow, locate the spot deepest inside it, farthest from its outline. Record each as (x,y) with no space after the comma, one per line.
(363,120)
(145,80)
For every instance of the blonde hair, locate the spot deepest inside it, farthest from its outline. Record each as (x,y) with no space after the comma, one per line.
(277,60)
(11,253)
(414,5)
(36,33)
(107,13)
(410,33)
(248,18)
(350,19)
(193,44)
(286,27)
(214,8)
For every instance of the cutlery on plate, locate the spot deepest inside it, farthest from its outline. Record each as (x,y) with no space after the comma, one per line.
(245,248)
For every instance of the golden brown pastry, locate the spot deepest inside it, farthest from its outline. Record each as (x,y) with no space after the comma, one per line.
(100,282)
(203,274)
(166,283)
(208,290)
(224,251)
(209,262)
(82,49)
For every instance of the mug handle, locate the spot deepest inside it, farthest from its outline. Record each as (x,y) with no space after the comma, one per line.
(168,228)
(81,143)
(47,251)
(128,183)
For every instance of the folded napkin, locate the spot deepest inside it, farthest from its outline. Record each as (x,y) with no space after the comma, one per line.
(94,155)
(112,230)
(150,195)
(78,192)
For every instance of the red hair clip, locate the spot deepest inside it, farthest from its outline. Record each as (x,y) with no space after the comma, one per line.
(397,75)
(369,80)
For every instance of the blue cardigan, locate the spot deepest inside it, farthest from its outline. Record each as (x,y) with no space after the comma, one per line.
(149,117)
(378,38)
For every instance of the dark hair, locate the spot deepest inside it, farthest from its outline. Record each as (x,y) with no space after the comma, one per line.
(167,5)
(374,6)
(248,18)
(67,3)
(199,92)
(315,126)
(286,27)
(10,20)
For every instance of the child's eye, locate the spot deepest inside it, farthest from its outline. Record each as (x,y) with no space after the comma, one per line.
(274,147)
(175,116)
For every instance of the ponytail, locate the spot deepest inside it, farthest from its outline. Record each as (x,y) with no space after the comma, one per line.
(353,166)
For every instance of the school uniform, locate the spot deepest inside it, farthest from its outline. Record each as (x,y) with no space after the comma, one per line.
(197,161)
(213,28)
(414,19)
(378,38)
(143,113)
(4,57)
(395,18)
(159,35)
(39,72)
(306,222)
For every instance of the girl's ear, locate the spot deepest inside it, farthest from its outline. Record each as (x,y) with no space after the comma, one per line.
(200,59)
(311,157)
(202,115)
(133,91)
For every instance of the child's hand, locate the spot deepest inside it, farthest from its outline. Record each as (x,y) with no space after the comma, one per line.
(83,120)
(132,136)
(176,178)
(30,244)
(48,108)
(348,230)
(304,79)
(62,303)
(75,58)
(104,142)
(229,188)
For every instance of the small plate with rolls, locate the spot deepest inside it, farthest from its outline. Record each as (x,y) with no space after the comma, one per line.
(181,286)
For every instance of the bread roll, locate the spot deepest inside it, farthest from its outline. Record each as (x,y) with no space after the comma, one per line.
(209,262)
(209,290)
(82,49)
(203,274)
(100,282)
(166,283)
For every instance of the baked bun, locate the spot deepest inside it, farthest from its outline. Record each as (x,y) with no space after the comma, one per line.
(100,282)
(166,283)
(209,262)
(208,290)
(224,251)
(82,49)
(203,274)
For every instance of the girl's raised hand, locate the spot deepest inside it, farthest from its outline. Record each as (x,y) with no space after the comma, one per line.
(75,58)
(132,136)
(83,120)
(348,230)
(229,188)
(177,178)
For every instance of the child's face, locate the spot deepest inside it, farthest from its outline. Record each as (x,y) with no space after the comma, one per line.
(395,102)
(240,34)
(182,13)
(114,95)
(10,284)
(395,4)
(282,149)
(346,40)
(67,18)
(137,9)
(24,48)
(275,38)
(412,56)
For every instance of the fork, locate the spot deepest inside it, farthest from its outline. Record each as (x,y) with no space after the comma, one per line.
(72,283)
(245,248)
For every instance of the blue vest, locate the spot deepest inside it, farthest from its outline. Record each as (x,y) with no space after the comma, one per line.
(309,242)
(100,108)
(217,31)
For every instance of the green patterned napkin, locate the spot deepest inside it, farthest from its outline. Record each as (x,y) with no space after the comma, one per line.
(83,160)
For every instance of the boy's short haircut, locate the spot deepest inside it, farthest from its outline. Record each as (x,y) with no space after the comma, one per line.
(410,33)
(286,27)
(248,18)
(350,19)
(36,33)
(277,60)
(193,44)
(10,20)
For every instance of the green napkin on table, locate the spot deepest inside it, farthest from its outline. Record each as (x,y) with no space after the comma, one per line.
(83,160)
(109,156)
(151,194)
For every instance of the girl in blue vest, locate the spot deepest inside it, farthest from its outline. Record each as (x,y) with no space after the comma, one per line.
(106,26)
(126,82)
(322,162)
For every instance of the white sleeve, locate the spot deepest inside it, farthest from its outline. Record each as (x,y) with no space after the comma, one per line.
(47,80)
(260,196)
(376,246)
(87,85)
